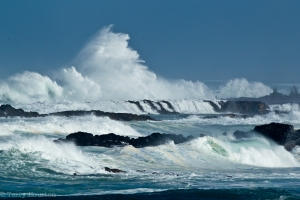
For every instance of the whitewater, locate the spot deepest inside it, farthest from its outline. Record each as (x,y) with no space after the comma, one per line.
(108,75)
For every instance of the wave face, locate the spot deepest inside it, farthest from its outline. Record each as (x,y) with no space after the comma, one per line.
(107,68)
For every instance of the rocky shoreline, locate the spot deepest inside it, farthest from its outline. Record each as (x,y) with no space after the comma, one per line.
(9,111)
(110,140)
(282,134)
(245,108)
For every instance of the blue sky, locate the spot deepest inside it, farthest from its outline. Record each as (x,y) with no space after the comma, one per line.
(192,40)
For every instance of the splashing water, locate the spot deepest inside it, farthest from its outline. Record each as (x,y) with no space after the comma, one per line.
(107,68)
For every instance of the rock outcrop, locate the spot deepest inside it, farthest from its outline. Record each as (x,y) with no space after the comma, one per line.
(9,111)
(282,134)
(111,139)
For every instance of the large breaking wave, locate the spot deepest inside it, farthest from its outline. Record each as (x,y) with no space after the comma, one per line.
(107,68)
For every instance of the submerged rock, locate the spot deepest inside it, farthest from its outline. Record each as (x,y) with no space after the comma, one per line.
(111,139)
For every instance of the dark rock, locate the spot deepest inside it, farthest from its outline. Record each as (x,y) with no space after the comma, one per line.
(111,140)
(9,111)
(245,107)
(113,170)
(81,138)
(280,133)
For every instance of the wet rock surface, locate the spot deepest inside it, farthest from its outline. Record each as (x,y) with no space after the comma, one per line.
(9,111)
(111,139)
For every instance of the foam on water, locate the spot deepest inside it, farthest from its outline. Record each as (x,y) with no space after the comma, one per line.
(63,126)
(291,118)
(43,153)
(202,153)
(192,106)
(205,153)
(287,107)
(184,106)
(258,151)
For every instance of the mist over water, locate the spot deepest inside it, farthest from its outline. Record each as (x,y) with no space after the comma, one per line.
(109,69)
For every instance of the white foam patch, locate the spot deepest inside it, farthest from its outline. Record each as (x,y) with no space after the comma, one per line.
(169,157)
(62,158)
(204,153)
(192,106)
(29,87)
(244,88)
(287,107)
(260,152)
(78,87)
(110,62)
(290,118)
(62,125)
(58,106)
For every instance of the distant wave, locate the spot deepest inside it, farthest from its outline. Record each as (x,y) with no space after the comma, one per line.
(108,69)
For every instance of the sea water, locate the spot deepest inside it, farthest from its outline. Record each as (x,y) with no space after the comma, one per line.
(214,165)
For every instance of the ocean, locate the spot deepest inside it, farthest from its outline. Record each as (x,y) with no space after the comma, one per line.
(105,75)
(214,165)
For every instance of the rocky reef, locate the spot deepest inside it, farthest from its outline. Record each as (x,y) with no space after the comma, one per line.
(111,139)
(9,111)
